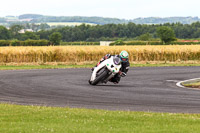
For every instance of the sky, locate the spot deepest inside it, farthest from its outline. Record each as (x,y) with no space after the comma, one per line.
(123,9)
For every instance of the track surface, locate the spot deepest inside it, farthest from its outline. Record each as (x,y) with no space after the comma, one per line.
(144,89)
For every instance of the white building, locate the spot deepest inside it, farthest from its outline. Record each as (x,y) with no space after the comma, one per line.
(24,30)
(105,43)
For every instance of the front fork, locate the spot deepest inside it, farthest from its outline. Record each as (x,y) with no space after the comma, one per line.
(110,76)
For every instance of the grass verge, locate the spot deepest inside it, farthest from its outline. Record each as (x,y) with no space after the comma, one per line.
(17,118)
(15,66)
(192,83)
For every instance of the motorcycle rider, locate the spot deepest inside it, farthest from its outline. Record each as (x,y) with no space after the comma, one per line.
(124,62)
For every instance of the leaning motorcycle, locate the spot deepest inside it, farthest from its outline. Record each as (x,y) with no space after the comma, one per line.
(105,71)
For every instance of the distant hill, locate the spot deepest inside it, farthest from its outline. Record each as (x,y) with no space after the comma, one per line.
(30,16)
(37,18)
(96,20)
(2,20)
(156,20)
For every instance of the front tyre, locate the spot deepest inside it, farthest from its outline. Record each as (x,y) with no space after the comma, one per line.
(90,82)
(100,77)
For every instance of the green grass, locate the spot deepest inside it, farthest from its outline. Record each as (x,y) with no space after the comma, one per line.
(192,83)
(16,67)
(36,119)
(162,65)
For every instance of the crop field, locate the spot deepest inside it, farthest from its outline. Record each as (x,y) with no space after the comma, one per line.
(78,54)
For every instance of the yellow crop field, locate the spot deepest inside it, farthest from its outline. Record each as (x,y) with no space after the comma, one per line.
(95,53)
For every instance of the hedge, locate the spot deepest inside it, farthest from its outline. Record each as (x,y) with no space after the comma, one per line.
(47,43)
(80,43)
(24,43)
(40,43)
(151,43)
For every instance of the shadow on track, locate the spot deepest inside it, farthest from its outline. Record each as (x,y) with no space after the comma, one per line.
(114,85)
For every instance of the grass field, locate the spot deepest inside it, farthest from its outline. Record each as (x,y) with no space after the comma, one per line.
(26,119)
(192,83)
(16,66)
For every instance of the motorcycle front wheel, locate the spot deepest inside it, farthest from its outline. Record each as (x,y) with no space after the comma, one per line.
(101,76)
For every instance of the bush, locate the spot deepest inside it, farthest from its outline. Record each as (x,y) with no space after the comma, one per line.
(145,37)
(24,43)
(4,43)
(80,43)
(166,34)
(55,38)
(137,43)
(184,43)
(16,43)
(153,43)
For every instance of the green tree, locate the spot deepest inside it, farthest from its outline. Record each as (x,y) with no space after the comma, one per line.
(145,37)
(44,26)
(29,35)
(118,42)
(4,33)
(44,34)
(55,38)
(166,34)
(15,29)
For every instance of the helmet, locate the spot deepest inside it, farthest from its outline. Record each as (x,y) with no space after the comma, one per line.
(123,56)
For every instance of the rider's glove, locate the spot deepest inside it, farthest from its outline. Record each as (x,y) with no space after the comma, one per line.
(107,56)
(123,74)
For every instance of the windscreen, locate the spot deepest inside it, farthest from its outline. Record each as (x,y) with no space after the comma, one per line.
(117,60)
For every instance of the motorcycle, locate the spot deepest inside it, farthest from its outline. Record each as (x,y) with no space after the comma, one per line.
(105,71)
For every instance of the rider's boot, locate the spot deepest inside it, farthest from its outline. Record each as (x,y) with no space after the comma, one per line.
(93,68)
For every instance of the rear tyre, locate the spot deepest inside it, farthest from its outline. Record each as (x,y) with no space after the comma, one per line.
(100,77)
(90,82)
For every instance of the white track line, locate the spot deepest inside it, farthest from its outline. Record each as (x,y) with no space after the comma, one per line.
(179,83)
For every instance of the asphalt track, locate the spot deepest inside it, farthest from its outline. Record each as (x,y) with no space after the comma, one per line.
(143,89)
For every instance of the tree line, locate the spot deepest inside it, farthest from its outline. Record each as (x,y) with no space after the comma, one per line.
(103,32)
(37,18)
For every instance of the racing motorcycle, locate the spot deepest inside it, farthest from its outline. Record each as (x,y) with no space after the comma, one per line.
(105,71)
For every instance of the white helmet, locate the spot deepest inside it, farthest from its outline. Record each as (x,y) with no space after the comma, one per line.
(124,56)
